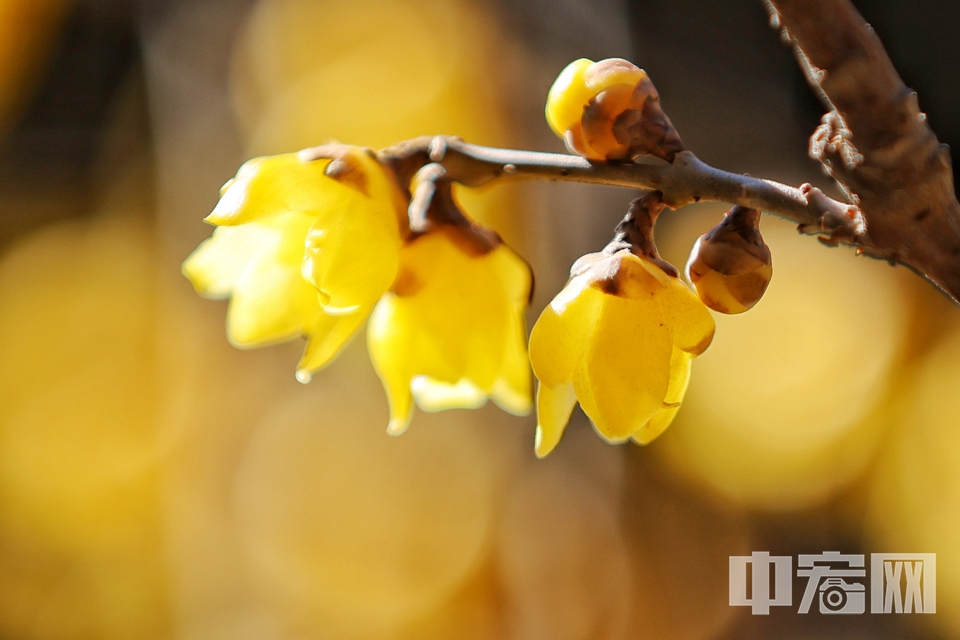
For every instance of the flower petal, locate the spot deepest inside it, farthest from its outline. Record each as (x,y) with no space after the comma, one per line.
(391,352)
(657,425)
(435,395)
(452,331)
(271,185)
(352,254)
(326,339)
(215,266)
(692,324)
(258,265)
(559,337)
(626,370)
(554,406)
(513,390)
(462,310)
(680,362)
(515,274)
(271,302)
(567,96)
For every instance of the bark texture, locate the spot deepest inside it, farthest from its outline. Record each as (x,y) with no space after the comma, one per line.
(875,142)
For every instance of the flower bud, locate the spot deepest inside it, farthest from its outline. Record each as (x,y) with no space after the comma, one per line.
(610,110)
(730,266)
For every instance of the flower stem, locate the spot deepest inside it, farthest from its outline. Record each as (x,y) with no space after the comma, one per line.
(685,181)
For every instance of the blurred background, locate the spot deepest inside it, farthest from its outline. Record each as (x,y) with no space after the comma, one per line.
(157,483)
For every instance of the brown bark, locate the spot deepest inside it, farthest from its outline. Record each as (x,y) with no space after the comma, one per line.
(875,142)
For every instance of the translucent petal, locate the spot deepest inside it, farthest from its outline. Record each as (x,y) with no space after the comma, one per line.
(434,395)
(485,338)
(657,425)
(216,265)
(559,337)
(326,339)
(462,310)
(680,365)
(512,398)
(626,370)
(567,97)
(680,362)
(632,262)
(513,390)
(450,332)
(258,265)
(393,355)
(271,185)
(692,324)
(516,276)
(554,405)
(271,302)
(352,253)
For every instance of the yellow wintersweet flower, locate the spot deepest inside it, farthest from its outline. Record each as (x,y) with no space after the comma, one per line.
(352,248)
(619,339)
(304,247)
(451,333)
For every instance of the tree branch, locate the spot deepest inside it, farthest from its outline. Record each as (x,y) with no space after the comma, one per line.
(875,142)
(685,181)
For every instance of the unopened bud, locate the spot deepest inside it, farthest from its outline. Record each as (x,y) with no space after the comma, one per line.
(730,265)
(610,110)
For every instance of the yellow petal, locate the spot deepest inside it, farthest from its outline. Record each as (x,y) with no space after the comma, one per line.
(216,265)
(258,264)
(626,370)
(680,365)
(391,351)
(691,322)
(271,185)
(567,96)
(435,395)
(485,339)
(559,337)
(452,331)
(554,405)
(513,390)
(271,302)
(680,362)
(657,425)
(326,339)
(516,276)
(462,310)
(512,398)
(352,255)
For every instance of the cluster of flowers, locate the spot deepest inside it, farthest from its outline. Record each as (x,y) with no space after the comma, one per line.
(314,244)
